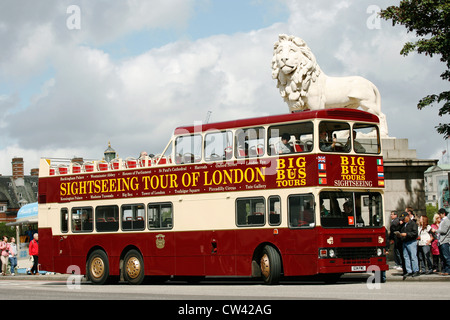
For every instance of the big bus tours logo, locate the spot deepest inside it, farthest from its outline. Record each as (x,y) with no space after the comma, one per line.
(353,172)
(291,172)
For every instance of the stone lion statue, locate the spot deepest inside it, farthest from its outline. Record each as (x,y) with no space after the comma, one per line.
(303,85)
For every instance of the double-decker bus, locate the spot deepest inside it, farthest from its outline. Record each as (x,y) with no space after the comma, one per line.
(287,195)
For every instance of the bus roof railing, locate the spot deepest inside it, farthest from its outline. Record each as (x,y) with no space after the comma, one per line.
(335,114)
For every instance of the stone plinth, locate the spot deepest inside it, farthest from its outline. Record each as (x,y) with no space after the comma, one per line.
(404,177)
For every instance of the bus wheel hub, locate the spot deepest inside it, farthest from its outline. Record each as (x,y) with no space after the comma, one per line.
(133,267)
(265,265)
(97,267)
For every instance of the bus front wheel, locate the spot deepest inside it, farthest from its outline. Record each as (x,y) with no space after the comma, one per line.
(98,267)
(270,265)
(133,267)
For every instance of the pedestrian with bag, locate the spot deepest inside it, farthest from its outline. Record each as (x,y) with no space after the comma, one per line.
(33,250)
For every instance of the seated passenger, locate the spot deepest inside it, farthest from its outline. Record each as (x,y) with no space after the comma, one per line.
(283,145)
(324,145)
(356,145)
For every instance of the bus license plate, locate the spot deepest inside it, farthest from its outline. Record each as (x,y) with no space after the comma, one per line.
(359,268)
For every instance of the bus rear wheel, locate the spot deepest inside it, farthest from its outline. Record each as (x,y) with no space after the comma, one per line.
(133,271)
(270,265)
(98,267)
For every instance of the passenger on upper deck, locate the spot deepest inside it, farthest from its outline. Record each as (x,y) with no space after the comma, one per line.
(283,145)
(324,145)
(143,154)
(356,145)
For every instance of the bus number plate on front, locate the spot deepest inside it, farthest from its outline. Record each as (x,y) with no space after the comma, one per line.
(359,268)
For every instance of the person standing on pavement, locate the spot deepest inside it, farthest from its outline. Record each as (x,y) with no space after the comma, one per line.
(33,250)
(4,247)
(13,255)
(435,251)
(424,246)
(444,240)
(409,233)
(398,250)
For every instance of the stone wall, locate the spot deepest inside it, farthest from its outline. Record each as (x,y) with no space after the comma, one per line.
(404,177)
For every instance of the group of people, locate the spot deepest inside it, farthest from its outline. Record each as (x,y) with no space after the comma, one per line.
(421,247)
(9,254)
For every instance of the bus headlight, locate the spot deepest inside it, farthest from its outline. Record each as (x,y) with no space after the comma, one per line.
(327,253)
(379,252)
(331,253)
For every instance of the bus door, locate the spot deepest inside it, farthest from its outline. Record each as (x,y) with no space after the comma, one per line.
(301,249)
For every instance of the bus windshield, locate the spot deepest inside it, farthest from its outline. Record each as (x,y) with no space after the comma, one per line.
(351,209)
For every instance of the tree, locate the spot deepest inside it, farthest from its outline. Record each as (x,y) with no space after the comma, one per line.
(430,20)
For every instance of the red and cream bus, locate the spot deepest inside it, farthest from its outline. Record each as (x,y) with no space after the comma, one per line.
(287,195)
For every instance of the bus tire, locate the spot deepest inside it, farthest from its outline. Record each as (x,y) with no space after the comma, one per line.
(270,265)
(97,269)
(133,267)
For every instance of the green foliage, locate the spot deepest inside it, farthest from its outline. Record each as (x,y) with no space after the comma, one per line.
(430,20)
(431,210)
(7,231)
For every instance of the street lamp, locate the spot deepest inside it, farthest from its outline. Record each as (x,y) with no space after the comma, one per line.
(110,153)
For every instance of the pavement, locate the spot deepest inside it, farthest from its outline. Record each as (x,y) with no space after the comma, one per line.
(391,275)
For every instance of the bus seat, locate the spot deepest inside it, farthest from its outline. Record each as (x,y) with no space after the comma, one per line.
(259,151)
(102,166)
(256,218)
(131,163)
(88,166)
(76,167)
(298,148)
(62,169)
(115,164)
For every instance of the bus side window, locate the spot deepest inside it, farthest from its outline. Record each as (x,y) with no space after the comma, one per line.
(82,219)
(133,217)
(160,216)
(188,149)
(250,142)
(274,210)
(218,146)
(250,212)
(299,138)
(301,210)
(107,218)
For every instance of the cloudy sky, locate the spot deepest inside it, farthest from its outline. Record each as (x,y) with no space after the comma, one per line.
(77,74)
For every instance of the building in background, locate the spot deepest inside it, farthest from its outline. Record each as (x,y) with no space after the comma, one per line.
(437,186)
(17,190)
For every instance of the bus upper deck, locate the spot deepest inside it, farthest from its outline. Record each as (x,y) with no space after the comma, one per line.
(321,131)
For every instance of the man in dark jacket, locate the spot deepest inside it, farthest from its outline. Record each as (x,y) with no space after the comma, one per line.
(408,234)
(397,242)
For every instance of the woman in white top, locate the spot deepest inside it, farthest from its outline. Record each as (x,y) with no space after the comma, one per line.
(424,246)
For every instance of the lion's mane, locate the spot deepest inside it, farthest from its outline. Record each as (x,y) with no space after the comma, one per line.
(294,86)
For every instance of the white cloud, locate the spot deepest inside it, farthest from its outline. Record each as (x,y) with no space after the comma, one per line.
(136,103)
